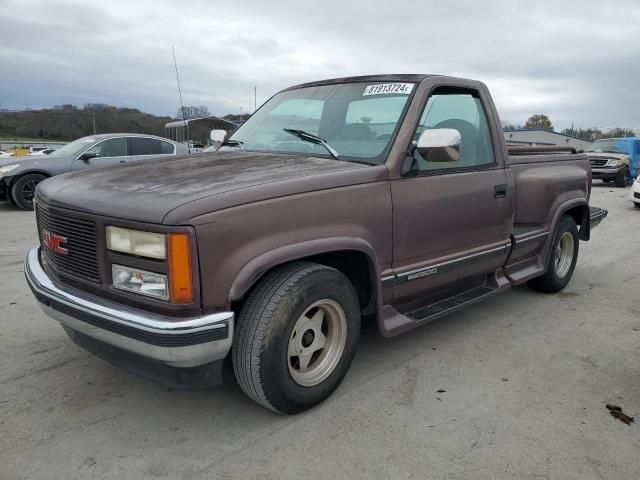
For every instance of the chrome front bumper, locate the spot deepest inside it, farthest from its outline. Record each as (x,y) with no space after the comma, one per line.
(606,172)
(175,342)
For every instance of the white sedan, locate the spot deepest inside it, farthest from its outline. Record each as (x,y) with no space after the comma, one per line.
(4,154)
(44,151)
(634,195)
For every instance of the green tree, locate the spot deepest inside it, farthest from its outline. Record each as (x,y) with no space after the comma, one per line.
(539,120)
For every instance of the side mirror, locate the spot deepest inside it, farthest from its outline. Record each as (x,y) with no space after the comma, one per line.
(440,145)
(88,156)
(217,138)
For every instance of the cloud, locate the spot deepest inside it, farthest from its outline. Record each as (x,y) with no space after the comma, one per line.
(575,60)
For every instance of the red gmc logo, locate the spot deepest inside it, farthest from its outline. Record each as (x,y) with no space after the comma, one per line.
(55,242)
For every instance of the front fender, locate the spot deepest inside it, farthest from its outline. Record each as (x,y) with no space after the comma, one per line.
(258,266)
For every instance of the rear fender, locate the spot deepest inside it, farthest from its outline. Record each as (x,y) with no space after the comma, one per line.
(578,208)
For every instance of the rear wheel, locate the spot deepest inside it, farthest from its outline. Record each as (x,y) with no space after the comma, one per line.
(564,255)
(24,188)
(296,336)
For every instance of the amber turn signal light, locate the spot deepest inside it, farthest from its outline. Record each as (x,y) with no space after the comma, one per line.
(180,272)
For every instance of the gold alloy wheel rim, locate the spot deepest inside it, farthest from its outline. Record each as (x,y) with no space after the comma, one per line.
(564,254)
(317,342)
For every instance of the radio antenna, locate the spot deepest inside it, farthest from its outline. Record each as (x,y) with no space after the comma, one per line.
(184,117)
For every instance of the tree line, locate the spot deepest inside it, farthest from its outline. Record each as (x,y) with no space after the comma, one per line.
(542,121)
(69,122)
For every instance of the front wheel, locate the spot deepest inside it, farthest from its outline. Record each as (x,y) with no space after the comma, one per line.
(296,336)
(564,255)
(623,178)
(24,188)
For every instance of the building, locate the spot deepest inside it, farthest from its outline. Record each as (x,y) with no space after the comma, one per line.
(197,129)
(543,137)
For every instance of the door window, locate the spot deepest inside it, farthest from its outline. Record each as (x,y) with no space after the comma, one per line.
(114,147)
(463,112)
(146,146)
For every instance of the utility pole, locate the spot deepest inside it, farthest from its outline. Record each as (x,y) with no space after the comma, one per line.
(94,121)
(255,98)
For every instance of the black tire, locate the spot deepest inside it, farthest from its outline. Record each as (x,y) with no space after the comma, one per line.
(260,354)
(24,188)
(637,205)
(623,178)
(551,282)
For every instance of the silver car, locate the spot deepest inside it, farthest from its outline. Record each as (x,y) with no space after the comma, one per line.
(19,176)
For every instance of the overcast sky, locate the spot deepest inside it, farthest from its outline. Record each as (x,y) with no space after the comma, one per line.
(577,61)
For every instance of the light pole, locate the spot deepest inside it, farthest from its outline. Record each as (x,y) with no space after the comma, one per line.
(255,98)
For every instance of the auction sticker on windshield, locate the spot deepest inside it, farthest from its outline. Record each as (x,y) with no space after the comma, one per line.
(387,88)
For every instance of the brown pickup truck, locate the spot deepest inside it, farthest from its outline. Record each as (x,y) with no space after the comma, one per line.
(390,197)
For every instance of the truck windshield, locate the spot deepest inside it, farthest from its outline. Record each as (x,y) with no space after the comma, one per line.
(356,120)
(606,146)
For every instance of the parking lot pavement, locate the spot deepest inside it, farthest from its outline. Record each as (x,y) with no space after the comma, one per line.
(513,388)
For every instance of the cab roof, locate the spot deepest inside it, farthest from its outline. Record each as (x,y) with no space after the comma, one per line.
(409,77)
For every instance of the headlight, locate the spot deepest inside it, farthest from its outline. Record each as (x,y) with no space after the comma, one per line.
(176,285)
(7,168)
(140,281)
(135,242)
(638,179)
(615,163)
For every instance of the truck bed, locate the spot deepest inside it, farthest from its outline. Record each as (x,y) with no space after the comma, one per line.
(545,179)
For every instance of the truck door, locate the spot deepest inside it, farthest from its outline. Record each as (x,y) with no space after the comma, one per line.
(451,220)
(108,152)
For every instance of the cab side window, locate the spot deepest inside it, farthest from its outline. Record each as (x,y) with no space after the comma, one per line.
(114,147)
(462,111)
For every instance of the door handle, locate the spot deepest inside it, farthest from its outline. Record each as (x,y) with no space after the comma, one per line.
(500,191)
(123,161)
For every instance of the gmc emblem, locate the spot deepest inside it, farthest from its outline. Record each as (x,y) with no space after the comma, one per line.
(54,242)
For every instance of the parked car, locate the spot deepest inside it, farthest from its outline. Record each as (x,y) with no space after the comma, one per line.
(33,150)
(20,176)
(43,151)
(634,195)
(196,147)
(615,160)
(390,196)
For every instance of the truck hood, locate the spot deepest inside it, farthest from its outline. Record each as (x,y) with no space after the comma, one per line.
(607,155)
(149,190)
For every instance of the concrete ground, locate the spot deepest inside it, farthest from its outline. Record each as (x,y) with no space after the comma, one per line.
(514,388)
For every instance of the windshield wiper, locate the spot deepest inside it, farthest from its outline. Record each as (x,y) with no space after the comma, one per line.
(233,143)
(311,138)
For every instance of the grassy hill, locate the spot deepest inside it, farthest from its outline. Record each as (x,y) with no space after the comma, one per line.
(69,122)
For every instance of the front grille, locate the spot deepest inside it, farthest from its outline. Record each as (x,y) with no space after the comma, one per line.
(81,260)
(598,162)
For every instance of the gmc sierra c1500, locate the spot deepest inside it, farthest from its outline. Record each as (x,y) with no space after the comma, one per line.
(391,196)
